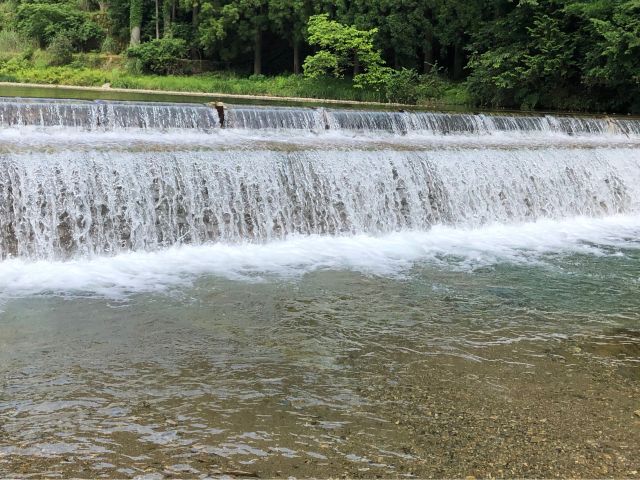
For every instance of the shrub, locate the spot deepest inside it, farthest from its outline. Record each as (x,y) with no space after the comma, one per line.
(89,60)
(431,86)
(60,50)
(13,44)
(134,66)
(44,21)
(10,41)
(14,66)
(109,45)
(160,56)
(41,58)
(7,14)
(402,86)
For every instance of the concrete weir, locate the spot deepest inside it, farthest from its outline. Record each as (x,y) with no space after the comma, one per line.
(83,178)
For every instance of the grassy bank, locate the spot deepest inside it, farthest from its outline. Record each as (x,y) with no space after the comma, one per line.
(436,92)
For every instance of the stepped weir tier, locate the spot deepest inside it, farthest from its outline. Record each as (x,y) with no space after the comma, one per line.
(268,173)
(238,290)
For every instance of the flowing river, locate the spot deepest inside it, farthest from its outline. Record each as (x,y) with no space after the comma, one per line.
(316,292)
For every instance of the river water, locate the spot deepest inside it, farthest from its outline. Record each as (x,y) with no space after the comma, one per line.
(311,292)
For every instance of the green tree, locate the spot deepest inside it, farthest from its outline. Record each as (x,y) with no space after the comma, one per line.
(611,66)
(560,54)
(168,16)
(401,26)
(343,47)
(454,23)
(44,21)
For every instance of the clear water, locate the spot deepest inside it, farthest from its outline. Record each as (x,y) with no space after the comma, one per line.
(437,305)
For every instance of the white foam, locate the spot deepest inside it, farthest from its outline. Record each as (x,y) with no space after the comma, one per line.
(73,138)
(386,255)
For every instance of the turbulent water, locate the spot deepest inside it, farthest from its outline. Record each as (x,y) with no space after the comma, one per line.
(94,202)
(160,175)
(105,116)
(319,119)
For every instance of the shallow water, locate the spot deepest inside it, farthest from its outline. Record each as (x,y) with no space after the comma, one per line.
(276,375)
(18,90)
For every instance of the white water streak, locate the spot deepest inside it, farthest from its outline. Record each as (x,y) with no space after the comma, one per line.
(86,202)
(386,255)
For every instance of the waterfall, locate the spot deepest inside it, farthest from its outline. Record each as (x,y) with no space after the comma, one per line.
(249,117)
(97,202)
(93,197)
(318,119)
(104,116)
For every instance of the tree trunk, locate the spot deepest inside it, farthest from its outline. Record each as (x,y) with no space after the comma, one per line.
(356,65)
(427,65)
(296,57)
(195,10)
(157,19)
(458,61)
(195,20)
(257,53)
(135,20)
(166,17)
(135,35)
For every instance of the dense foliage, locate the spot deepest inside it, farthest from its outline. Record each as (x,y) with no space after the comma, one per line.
(45,21)
(161,56)
(555,53)
(345,47)
(60,50)
(571,54)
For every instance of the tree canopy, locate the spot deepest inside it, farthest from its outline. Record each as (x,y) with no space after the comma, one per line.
(344,47)
(575,54)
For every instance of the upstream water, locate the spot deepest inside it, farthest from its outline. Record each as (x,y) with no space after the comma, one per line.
(314,292)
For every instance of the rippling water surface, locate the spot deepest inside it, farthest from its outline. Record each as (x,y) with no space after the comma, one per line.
(275,372)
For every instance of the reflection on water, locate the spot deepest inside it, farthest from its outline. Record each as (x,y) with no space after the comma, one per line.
(334,372)
(18,90)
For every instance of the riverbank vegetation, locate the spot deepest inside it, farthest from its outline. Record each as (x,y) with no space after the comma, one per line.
(82,71)
(552,54)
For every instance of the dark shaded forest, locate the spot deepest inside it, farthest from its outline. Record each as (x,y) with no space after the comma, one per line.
(555,54)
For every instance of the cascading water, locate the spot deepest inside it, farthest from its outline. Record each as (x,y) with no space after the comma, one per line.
(317,119)
(98,202)
(275,118)
(184,180)
(100,115)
